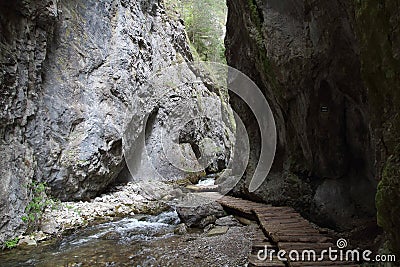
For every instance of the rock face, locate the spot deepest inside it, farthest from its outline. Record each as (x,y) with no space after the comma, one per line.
(305,57)
(379,36)
(25,29)
(72,76)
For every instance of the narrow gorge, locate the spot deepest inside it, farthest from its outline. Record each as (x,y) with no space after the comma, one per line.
(108,117)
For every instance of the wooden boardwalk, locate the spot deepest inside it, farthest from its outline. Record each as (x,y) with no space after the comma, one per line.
(282,228)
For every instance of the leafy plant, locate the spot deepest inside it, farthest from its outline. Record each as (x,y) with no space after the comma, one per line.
(12,243)
(34,209)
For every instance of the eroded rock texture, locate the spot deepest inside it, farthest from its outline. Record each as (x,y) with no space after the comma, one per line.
(378,32)
(72,76)
(304,55)
(26,29)
(330,70)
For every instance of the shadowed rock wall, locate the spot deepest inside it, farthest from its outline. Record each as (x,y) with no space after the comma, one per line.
(330,70)
(304,55)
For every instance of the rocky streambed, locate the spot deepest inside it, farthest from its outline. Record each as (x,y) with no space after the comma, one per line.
(127,228)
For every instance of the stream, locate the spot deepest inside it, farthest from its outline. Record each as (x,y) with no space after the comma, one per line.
(126,241)
(137,240)
(140,241)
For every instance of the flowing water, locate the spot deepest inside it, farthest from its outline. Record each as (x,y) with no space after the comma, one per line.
(207,181)
(127,241)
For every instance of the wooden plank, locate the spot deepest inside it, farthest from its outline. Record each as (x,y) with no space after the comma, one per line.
(254,261)
(261,246)
(301,227)
(284,227)
(271,209)
(278,231)
(297,226)
(301,238)
(303,246)
(238,207)
(277,213)
(294,233)
(281,218)
(260,239)
(245,214)
(284,220)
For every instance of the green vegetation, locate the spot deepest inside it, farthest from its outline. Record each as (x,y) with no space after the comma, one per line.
(205,26)
(11,243)
(36,207)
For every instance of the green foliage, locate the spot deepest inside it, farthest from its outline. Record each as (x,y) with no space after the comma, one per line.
(12,243)
(35,208)
(205,26)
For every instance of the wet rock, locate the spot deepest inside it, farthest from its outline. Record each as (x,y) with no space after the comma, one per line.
(181,229)
(227,221)
(27,241)
(200,216)
(50,226)
(40,236)
(111,236)
(210,219)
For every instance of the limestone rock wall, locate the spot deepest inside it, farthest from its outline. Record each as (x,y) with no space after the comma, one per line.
(26,29)
(72,78)
(378,32)
(305,57)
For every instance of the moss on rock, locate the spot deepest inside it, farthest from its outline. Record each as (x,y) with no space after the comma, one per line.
(380,59)
(256,33)
(388,199)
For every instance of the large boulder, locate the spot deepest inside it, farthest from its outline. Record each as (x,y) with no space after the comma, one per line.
(200,216)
